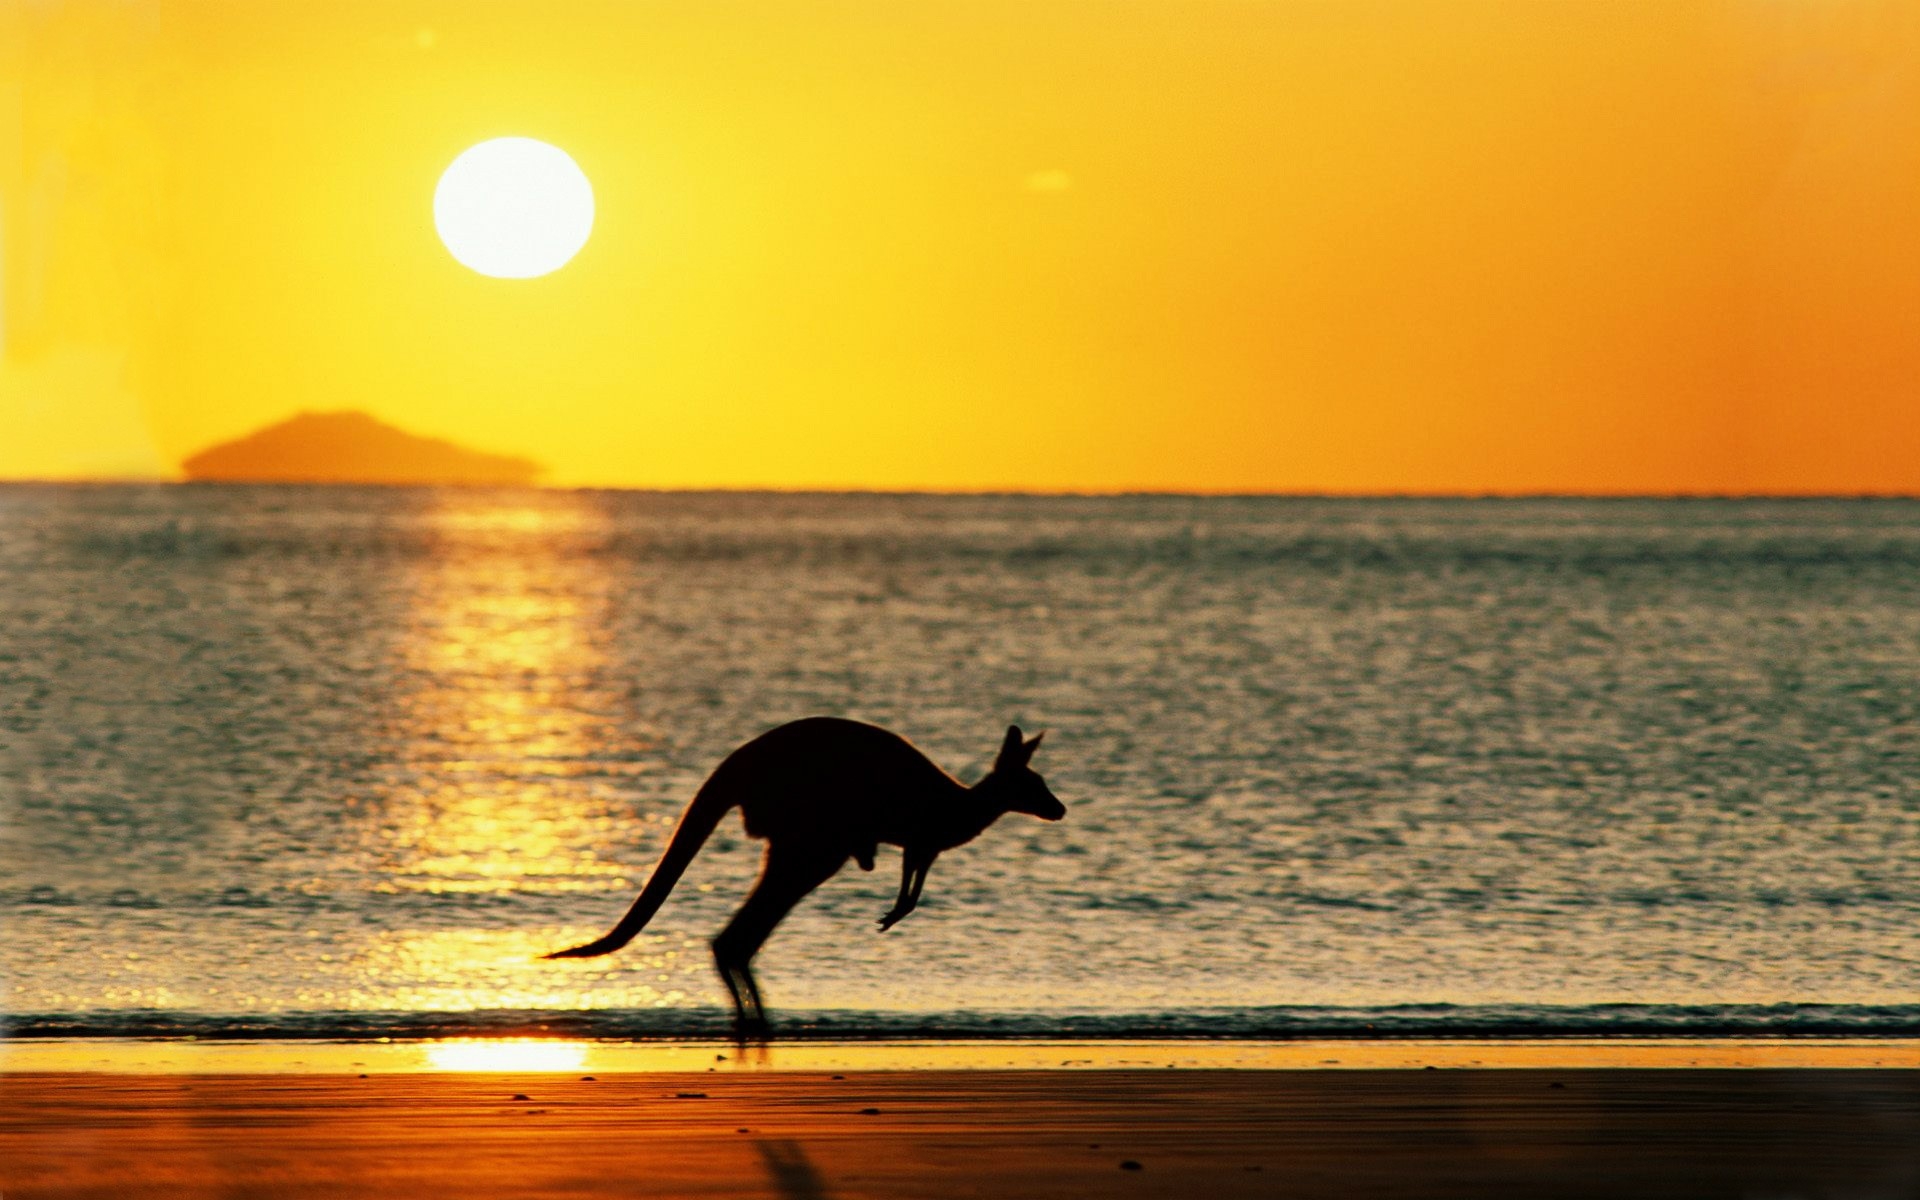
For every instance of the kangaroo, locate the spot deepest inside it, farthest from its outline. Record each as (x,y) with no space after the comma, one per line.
(821,791)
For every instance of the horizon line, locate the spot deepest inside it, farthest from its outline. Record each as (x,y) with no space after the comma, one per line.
(990,491)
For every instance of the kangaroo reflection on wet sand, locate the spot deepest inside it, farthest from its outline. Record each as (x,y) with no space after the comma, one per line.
(821,791)
(790,1170)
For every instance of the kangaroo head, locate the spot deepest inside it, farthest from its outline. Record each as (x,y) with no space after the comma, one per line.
(1016,787)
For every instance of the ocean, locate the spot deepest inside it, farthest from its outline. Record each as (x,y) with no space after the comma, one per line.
(342,762)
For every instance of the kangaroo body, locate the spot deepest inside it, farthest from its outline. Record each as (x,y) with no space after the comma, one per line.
(821,792)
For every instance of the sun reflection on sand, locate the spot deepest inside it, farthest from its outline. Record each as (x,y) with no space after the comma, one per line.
(505,1054)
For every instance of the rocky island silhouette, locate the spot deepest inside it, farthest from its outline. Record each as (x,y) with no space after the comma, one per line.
(351,447)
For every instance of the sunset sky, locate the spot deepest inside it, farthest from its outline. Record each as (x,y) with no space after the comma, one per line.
(1260,245)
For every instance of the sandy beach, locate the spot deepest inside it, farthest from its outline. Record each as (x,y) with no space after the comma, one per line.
(794,1134)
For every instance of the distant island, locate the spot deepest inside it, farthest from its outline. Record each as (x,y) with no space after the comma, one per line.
(350,447)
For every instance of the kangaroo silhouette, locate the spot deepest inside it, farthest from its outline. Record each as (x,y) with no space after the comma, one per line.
(821,791)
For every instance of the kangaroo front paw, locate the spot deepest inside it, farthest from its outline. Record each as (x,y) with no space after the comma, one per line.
(891,919)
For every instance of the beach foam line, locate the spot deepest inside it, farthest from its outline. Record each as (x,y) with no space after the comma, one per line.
(1422,1022)
(565,1056)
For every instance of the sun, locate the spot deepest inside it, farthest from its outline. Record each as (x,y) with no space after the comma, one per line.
(513,208)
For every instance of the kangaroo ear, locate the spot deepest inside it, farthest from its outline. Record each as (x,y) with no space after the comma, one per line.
(1033,743)
(1010,747)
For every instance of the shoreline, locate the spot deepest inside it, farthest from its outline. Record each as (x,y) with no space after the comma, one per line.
(554,1055)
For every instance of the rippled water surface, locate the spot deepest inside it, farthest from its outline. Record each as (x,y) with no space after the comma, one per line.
(291,750)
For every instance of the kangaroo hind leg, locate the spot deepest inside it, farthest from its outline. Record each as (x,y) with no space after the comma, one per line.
(785,879)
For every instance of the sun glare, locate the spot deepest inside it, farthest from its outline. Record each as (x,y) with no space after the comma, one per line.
(513,208)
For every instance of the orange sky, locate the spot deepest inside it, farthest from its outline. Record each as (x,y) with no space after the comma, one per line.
(1402,245)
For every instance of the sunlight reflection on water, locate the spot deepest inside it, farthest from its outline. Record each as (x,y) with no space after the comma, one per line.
(497,734)
(461,970)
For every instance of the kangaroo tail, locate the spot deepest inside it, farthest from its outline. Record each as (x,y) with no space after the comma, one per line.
(696,826)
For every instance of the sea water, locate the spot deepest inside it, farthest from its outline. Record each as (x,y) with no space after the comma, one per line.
(342,761)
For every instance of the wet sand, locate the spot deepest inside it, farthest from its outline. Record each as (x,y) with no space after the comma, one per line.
(804,1134)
